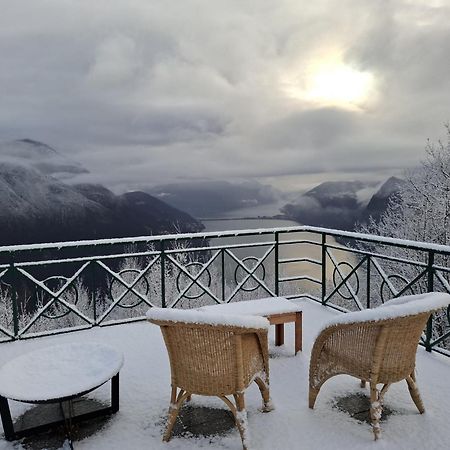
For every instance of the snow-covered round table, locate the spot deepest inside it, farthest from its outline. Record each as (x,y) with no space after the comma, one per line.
(58,374)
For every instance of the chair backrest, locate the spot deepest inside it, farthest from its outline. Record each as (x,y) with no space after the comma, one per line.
(383,340)
(397,341)
(213,359)
(387,347)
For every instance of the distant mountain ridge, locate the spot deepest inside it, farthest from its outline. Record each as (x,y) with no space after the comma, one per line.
(37,203)
(36,206)
(331,204)
(342,204)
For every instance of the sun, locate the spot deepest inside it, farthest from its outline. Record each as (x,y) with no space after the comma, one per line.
(340,85)
(331,83)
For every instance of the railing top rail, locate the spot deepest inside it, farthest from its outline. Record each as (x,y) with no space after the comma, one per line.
(139,239)
(416,245)
(404,243)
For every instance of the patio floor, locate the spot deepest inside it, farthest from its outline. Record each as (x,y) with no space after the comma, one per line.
(145,391)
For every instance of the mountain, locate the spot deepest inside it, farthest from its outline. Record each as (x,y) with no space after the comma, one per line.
(215,198)
(138,213)
(37,207)
(380,200)
(41,157)
(333,204)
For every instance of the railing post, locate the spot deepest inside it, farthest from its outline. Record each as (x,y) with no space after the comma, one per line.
(430,288)
(324,268)
(368,283)
(93,288)
(163,275)
(222,258)
(15,309)
(277,259)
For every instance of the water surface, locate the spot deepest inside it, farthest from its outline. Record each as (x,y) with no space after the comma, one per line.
(306,249)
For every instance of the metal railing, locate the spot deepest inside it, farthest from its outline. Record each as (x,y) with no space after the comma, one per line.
(56,288)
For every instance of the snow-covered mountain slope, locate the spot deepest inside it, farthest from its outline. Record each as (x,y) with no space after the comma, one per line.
(35,194)
(380,200)
(35,207)
(41,157)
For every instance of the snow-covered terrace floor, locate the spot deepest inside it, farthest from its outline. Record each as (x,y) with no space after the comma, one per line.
(145,390)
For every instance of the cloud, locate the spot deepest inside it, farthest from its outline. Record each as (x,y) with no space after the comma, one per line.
(116,61)
(152,92)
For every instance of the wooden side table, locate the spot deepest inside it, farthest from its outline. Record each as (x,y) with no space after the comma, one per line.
(278,310)
(279,320)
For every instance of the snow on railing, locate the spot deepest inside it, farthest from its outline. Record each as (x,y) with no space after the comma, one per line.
(231,233)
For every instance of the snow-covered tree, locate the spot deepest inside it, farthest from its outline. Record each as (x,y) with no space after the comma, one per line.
(420,212)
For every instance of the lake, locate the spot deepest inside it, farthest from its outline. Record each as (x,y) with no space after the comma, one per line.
(302,250)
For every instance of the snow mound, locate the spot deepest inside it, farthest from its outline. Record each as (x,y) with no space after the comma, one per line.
(407,305)
(261,307)
(206,318)
(59,371)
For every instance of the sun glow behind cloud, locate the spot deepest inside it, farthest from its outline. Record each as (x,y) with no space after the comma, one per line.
(331,83)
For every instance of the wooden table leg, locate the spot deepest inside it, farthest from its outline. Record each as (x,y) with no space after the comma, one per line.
(298,332)
(279,334)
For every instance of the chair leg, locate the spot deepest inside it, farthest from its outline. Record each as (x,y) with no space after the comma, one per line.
(415,395)
(265,394)
(241,420)
(375,410)
(382,393)
(176,401)
(312,396)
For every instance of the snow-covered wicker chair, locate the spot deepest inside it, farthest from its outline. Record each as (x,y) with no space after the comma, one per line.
(377,345)
(214,355)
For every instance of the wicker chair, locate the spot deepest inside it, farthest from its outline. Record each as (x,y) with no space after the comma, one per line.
(377,345)
(214,355)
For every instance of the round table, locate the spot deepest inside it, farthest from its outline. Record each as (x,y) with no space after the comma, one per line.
(58,374)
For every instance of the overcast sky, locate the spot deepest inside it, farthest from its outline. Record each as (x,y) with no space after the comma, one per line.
(286,92)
